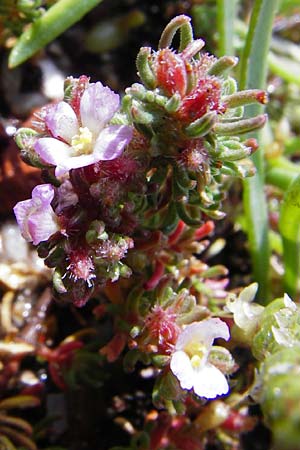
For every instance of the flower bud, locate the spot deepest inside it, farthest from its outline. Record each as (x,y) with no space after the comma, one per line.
(222,65)
(202,126)
(144,68)
(25,139)
(241,126)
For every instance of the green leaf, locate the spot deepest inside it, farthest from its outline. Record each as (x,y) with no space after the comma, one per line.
(45,29)
(285,67)
(253,75)
(226,14)
(289,226)
(281,172)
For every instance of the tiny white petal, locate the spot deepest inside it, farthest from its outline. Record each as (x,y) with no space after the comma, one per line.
(248,293)
(288,302)
(204,331)
(245,313)
(182,369)
(210,382)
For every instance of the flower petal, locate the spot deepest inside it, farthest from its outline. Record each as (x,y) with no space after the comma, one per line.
(210,382)
(75,162)
(111,142)
(35,216)
(204,331)
(52,150)
(182,369)
(21,211)
(97,106)
(43,193)
(62,121)
(42,225)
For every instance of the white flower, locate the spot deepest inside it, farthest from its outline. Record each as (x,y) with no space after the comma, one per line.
(246,315)
(190,361)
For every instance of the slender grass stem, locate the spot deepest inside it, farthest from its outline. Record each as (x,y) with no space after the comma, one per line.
(226,13)
(290,231)
(253,75)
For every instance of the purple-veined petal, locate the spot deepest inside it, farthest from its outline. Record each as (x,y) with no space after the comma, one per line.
(43,193)
(204,331)
(52,150)
(97,106)
(75,162)
(42,225)
(21,211)
(182,369)
(35,216)
(111,142)
(62,121)
(209,382)
(109,145)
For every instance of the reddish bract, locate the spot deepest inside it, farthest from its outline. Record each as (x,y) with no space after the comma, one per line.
(203,98)
(171,72)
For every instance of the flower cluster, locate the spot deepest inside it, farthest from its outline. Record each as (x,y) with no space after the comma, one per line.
(71,135)
(130,187)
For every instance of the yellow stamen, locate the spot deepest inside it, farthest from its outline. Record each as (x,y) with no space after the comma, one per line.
(82,142)
(196,351)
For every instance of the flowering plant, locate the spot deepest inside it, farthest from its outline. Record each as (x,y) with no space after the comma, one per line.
(133,187)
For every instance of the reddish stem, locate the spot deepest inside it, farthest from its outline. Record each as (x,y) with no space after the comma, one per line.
(173,237)
(156,276)
(204,230)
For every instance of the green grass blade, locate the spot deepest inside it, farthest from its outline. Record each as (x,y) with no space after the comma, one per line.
(45,29)
(289,226)
(281,172)
(226,14)
(284,67)
(253,75)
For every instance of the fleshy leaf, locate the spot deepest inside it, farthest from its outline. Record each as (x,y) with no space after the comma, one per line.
(55,21)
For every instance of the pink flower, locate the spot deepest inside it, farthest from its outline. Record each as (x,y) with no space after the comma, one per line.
(81,141)
(36,217)
(190,361)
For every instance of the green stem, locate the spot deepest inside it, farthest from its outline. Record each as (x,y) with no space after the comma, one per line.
(226,13)
(290,231)
(253,75)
